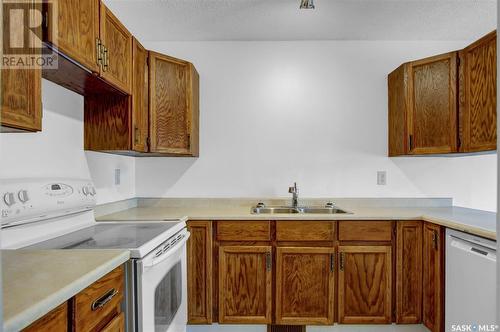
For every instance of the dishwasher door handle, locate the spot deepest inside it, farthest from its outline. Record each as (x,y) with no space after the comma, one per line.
(474,249)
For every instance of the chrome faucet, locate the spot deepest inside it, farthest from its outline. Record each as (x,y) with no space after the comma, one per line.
(295,192)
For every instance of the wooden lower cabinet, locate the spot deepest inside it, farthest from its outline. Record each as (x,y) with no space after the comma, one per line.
(245,284)
(433,277)
(305,289)
(409,272)
(199,266)
(365,284)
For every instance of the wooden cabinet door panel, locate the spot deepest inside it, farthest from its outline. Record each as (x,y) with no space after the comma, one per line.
(433,277)
(245,284)
(304,285)
(478,86)
(199,269)
(432,111)
(21,88)
(77,30)
(140,97)
(409,272)
(173,105)
(118,42)
(365,285)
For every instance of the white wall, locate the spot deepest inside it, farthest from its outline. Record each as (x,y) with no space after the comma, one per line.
(57,151)
(313,112)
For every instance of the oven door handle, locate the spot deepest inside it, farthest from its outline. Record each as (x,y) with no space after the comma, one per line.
(157,260)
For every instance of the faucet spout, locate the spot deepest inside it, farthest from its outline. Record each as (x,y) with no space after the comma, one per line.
(295,194)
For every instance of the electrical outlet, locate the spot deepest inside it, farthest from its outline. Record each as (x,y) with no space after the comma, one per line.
(381,178)
(118,179)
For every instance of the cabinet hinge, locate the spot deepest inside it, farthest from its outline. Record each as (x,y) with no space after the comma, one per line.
(189,141)
(45,18)
(341,262)
(148,142)
(268,261)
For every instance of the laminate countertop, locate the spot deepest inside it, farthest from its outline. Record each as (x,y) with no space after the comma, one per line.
(477,222)
(36,281)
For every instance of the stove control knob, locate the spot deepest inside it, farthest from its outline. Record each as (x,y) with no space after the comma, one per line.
(9,199)
(85,190)
(23,196)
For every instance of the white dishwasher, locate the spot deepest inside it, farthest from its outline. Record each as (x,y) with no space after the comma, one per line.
(470,282)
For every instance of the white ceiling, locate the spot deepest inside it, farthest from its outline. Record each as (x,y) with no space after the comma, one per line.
(176,20)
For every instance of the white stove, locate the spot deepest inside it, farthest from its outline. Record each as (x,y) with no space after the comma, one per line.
(58,214)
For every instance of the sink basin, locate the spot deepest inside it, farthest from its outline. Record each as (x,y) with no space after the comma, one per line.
(298,210)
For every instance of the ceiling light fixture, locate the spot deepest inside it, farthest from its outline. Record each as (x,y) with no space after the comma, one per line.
(306,4)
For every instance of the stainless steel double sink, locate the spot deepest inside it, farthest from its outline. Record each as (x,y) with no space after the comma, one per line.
(328,209)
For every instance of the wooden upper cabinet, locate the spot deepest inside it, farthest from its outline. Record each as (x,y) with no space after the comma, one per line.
(432,104)
(117,51)
(199,270)
(305,289)
(245,284)
(21,89)
(365,284)
(478,102)
(433,277)
(140,97)
(77,30)
(445,103)
(409,272)
(174,105)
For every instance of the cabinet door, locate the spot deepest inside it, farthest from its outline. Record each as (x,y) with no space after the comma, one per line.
(397,84)
(432,112)
(54,321)
(305,286)
(409,272)
(199,270)
(433,277)
(173,105)
(117,57)
(77,30)
(365,284)
(117,324)
(478,99)
(140,97)
(245,284)
(21,88)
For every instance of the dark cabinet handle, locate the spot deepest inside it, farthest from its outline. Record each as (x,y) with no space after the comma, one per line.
(332,262)
(341,261)
(103,300)
(435,238)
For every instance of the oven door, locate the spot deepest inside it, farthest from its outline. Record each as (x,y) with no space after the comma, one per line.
(162,289)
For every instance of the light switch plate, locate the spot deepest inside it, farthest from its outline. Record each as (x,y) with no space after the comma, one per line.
(381,178)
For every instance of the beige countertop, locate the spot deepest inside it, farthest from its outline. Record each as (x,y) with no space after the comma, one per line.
(477,222)
(36,281)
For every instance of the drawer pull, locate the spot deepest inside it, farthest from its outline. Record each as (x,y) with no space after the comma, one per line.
(101,302)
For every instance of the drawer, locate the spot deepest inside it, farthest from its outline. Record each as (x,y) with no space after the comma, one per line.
(97,304)
(365,230)
(305,231)
(244,231)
